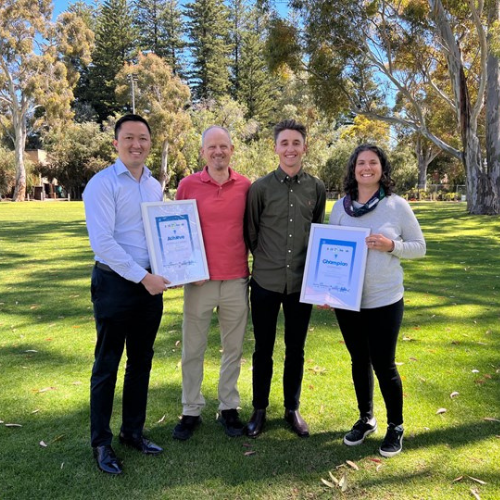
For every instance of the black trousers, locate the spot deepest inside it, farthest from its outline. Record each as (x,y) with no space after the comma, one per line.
(265,307)
(371,336)
(125,315)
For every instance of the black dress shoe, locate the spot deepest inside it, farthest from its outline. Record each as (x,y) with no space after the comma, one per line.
(297,423)
(256,423)
(142,444)
(106,459)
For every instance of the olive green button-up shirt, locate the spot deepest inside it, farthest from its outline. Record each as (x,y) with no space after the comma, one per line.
(280,210)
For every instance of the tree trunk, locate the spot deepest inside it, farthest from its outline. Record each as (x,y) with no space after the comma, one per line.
(20,141)
(164,175)
(493,114)
(425,154)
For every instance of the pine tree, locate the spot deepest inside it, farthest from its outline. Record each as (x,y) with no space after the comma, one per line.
(257,87)
(159,26)
(115,44)
(208,29)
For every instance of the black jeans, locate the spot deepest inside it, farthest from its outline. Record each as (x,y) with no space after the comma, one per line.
(125,314)
(371,336)
(265,307)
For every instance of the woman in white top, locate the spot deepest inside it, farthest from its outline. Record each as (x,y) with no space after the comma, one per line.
(371,334)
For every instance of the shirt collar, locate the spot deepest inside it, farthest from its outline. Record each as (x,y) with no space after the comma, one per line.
(205,176)
(283,176)
(120,169)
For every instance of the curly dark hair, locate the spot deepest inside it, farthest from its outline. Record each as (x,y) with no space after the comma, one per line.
(350,183)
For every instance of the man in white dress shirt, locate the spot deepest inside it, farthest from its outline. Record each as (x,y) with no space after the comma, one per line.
(127,298)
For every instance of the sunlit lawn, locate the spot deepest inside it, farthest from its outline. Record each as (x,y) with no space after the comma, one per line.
(449,357)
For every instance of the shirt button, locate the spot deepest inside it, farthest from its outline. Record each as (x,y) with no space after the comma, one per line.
(290,235)
(291,204)
(289,251)
(291,220)
(288,265)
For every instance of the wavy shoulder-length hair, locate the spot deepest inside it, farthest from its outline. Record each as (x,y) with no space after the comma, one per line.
(350,183)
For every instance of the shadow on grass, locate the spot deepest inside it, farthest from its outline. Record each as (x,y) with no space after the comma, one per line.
(209,462)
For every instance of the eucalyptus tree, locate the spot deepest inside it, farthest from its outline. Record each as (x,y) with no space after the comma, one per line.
(36,76)
(362,54)
(161,97)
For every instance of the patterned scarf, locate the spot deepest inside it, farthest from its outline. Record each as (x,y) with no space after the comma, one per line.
(370,205)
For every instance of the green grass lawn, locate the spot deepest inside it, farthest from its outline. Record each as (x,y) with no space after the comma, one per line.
(450,343)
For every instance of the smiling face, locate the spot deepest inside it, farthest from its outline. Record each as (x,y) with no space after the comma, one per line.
(217,150)
(290,147)
(133,145)
(368,170)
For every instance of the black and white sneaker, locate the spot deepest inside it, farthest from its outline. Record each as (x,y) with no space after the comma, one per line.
(393,441)
(360,430)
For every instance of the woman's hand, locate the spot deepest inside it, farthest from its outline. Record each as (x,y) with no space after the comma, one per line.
(379,242)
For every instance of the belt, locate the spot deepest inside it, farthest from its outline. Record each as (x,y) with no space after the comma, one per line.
(105,267)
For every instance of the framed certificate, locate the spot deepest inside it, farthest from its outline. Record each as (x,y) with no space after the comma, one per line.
(335,266)
(175,242)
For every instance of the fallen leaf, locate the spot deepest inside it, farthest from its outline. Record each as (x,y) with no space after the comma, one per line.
(454,394)
(43,444)
(343,483)
(457,479)
(475,371)
(35,411)
(408,339)
(30,350)
(62,465)
(177,343)
(13,425)
(441,410)
(161,419)
(249,453)
(334,479)
(480,481)
(327,483)
(58,438)
(77,382)
(475,494)
(47,389)
(352,464)
(399,364)
(487,375)
(491,419)
(376,460)
(413,359)
(379,466)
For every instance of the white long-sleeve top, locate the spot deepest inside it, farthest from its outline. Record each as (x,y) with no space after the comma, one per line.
(393,217)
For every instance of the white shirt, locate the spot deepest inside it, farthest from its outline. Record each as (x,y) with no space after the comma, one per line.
(112,200)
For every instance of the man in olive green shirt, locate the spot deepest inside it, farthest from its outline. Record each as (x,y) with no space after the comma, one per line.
(280,209)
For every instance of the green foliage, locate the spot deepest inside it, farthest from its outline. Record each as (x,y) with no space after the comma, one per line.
(7,172)
(77,154)
(115,44)
(404,168)
(208,28)
(159,27)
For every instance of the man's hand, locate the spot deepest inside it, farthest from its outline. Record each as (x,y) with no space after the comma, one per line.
(154,283)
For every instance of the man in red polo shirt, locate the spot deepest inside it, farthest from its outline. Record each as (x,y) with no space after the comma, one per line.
(221,195)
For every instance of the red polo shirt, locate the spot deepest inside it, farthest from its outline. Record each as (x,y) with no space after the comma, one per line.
(221,208)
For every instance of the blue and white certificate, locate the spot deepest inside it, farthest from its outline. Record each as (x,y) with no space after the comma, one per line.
(175,241)
(335,266)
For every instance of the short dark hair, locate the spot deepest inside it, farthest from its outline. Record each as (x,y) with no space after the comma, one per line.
(289,125)
(130,118)
(350,183)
